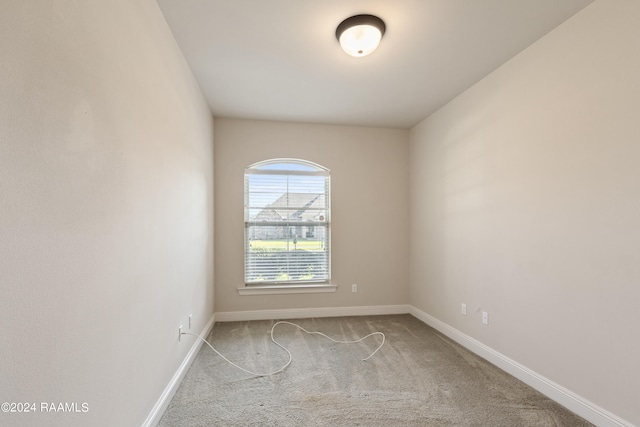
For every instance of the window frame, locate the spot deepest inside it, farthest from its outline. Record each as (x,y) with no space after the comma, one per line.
(290,167)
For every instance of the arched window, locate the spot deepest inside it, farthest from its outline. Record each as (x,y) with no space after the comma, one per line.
(287,222)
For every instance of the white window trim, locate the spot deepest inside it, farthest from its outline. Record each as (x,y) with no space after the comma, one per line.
(287,289)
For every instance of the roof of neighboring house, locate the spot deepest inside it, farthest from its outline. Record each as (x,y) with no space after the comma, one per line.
(295,207)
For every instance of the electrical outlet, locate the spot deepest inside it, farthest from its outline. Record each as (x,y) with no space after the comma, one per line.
(463,309)
(179,333)
(485,317)
(354,288)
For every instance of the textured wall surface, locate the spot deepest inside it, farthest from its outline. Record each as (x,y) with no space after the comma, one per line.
(106,209)
(525,204)
(369,199)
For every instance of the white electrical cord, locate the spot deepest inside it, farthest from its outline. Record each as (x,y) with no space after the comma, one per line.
(285,349)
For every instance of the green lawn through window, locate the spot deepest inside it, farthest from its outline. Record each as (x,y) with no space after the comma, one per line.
(281,245)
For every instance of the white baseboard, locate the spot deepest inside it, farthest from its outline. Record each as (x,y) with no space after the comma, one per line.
(300,313)
(556,392)
(165,398)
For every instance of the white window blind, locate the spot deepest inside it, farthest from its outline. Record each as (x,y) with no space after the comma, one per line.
(287,222)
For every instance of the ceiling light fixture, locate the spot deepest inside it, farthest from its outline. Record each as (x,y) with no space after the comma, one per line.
(360,35)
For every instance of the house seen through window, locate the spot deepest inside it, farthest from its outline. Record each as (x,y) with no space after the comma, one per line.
(287,222)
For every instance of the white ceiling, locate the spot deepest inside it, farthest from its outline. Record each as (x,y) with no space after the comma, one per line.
(280,60)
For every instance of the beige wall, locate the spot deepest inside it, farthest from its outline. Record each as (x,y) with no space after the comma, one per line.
(526,204)
(106,208)
(369,199)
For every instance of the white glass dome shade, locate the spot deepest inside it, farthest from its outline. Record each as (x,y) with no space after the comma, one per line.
(360,35)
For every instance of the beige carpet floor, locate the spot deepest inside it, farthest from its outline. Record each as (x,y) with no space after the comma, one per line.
(418,378)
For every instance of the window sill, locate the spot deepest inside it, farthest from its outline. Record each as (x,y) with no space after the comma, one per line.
(287,289)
